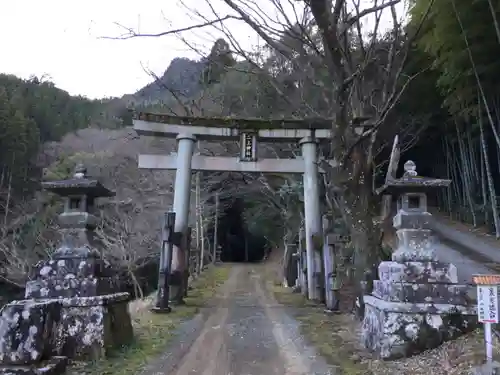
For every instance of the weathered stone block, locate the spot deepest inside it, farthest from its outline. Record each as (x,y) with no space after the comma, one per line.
(78,267)
(27,331)
(90,326)
(394,330)
(414,255)
(414,246)
(418,272)
(70,287)
(53,366)
(453,294)
(412,220)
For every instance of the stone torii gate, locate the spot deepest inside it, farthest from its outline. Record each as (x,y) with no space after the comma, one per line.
(187,130)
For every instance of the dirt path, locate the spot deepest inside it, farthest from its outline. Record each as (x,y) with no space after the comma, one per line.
(248,334)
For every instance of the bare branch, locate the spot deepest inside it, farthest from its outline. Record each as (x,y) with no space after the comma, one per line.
(131,33)
(351,21)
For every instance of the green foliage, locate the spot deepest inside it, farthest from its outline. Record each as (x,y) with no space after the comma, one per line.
(181,81)
(53,110)
(220,60)
(60,169)
(19,140)
(447,36)
(64,167)
(32,112)
(246,91)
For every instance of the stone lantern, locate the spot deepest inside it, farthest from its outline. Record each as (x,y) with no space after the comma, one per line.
(79,278)
(73,307)
(417,303)
(412,220)
(77,222)
(76,268)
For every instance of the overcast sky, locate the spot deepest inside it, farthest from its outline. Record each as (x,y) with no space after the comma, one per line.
(60,38)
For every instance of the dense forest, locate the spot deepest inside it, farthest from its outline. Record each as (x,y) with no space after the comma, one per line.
(433,81)
(32,112)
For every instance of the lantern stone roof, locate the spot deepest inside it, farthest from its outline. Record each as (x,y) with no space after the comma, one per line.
(411,182)
(79,184)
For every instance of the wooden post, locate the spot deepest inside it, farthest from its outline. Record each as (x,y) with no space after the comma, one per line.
(216,225)
(187,246)
(163,295)
(246,247)
(199,232)
(202,252)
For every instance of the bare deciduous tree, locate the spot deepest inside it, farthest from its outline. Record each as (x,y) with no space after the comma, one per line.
(350,56)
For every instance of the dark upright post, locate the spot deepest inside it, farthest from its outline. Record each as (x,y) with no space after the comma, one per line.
(187,272)
(162,298)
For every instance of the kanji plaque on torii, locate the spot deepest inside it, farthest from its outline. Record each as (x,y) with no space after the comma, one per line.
(248,145)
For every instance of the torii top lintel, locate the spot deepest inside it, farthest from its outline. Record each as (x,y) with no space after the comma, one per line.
(215,128)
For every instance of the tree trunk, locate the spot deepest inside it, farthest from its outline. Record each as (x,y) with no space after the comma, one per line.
(467,178)
(365,268)
(489,176)
(365,234)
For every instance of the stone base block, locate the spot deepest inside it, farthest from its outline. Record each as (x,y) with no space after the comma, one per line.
(71,267)
(71,287)
(453,294)
(415,245)
(91,326)
(27,330)
(394,330)
(65,278)
(418,272)
(53,366)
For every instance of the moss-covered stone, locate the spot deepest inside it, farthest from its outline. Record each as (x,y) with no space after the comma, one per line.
(237,123)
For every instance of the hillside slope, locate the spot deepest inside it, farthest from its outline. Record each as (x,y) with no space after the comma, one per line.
(131,220)
(182,78)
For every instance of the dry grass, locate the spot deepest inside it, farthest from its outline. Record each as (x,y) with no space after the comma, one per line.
(153,331)
(331,335)
(452,358)
(336,337)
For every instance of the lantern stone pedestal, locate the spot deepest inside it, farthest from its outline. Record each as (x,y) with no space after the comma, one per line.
(417,304)
(73,306)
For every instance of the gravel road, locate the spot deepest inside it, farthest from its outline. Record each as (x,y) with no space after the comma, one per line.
(247,333)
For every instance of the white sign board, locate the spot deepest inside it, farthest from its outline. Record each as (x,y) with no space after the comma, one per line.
(487,307)
(487,303)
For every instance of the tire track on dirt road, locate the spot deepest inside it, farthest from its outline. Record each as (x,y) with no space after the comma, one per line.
(204,356)
(248,333)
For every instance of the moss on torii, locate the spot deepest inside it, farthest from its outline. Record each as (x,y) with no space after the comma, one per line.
(236,123)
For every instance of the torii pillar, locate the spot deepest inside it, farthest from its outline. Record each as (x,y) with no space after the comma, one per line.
(182,195)
(312,213)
